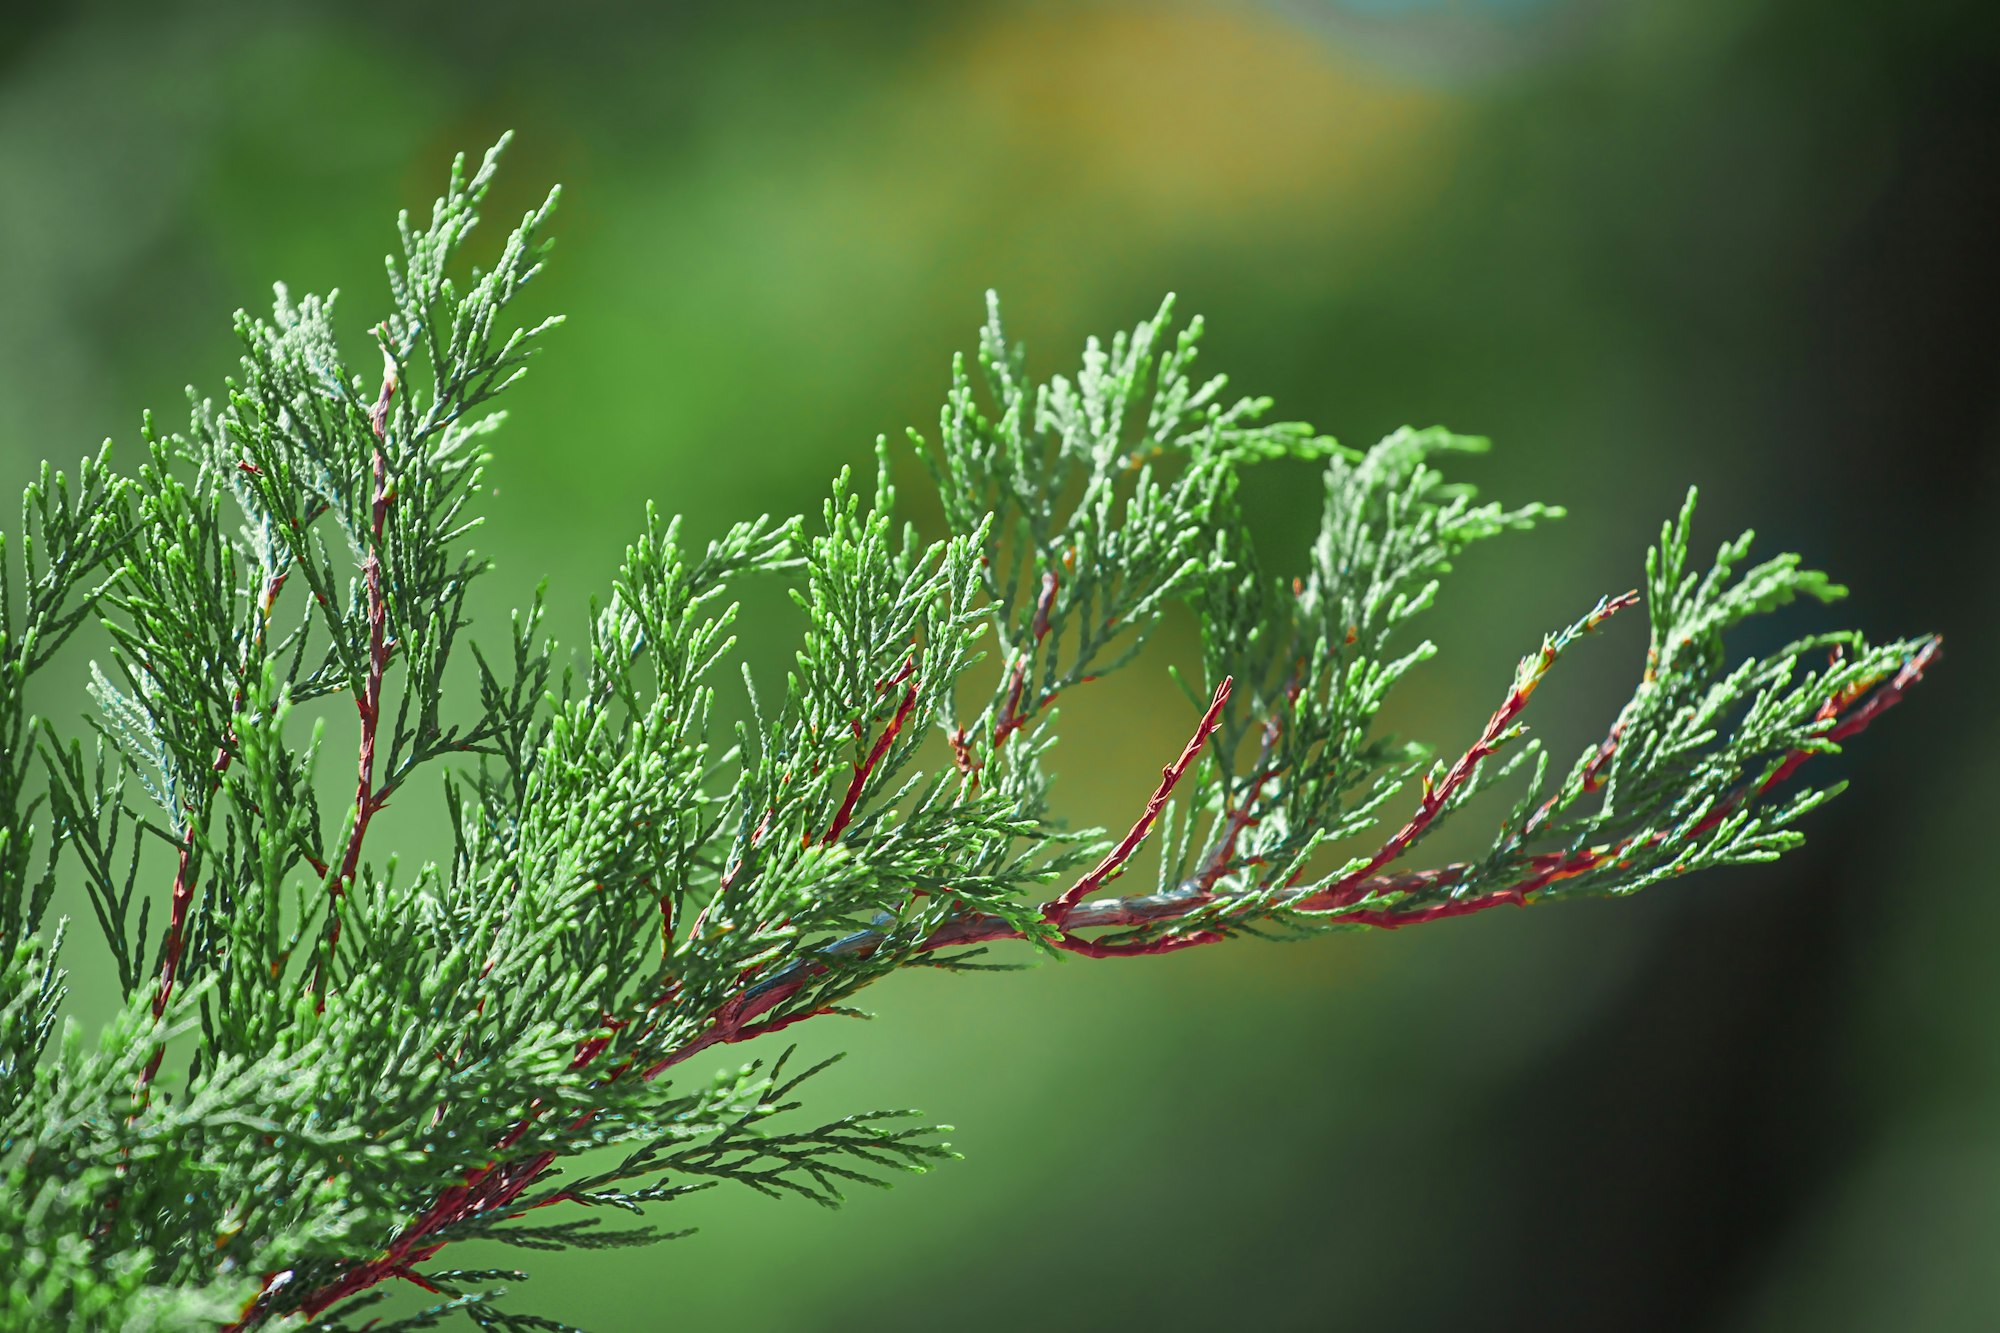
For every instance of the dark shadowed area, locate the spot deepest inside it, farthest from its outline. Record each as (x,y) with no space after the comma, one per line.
(1642,244)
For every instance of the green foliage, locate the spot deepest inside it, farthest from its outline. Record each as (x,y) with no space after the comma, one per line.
(328,1068)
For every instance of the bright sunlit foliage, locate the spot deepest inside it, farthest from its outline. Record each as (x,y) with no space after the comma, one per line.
(330,1067)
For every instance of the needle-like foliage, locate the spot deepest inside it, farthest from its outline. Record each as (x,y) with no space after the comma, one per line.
(329,1068)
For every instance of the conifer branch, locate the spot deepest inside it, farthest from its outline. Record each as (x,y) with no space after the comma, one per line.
(628,891)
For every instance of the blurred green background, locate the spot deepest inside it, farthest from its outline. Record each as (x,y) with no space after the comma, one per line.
(1642,243)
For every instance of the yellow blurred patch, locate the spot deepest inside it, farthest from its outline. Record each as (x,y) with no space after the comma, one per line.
(1183,118)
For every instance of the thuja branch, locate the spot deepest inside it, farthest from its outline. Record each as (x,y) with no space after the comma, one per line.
(627,892)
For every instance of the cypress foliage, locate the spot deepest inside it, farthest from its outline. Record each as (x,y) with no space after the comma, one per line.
(329,1068)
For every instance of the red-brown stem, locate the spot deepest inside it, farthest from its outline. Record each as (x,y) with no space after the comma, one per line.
(1057,912)
(1133,948)
(486,1189)
(961,755)
(367,800)
(1879,701)
(1011,718)
(735,1021)
(1887,697)
(1436,795)
(170,951)
(1593,776)
(174,945)
(490,1187)
(866,768)
(1044,604)
(1439,795)
(1243,816)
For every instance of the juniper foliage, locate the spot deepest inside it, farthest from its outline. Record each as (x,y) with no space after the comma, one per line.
(329,1068)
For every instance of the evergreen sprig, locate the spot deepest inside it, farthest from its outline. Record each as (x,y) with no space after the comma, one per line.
(328,1067)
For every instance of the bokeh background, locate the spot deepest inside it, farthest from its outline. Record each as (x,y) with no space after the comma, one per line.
(1748,244)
